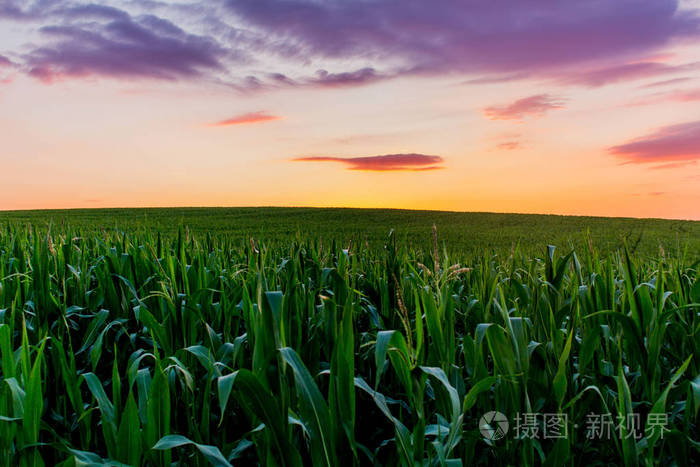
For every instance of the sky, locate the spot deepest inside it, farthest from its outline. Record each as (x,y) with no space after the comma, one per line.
(587,107)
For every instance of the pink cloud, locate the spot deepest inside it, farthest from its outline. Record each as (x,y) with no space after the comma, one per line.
(7,66)
(667,82)
(533,106)
(682,95)
(248,118)
(670,144)
(686,96)
(674,165)
(49,75)
(629,71)
(384,163)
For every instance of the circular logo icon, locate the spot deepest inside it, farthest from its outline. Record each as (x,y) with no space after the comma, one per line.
(493,425)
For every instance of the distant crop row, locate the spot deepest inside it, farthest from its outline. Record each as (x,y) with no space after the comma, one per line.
(198,350)
(464,234)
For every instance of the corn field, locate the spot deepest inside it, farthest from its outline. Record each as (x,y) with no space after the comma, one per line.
(140,349)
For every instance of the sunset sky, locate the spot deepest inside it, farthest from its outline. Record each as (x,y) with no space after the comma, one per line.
(567,107)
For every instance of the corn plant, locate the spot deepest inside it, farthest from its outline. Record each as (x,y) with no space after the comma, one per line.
(172,347)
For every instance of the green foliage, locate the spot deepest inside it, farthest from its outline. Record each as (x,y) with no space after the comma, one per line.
(463,233)
(205,347)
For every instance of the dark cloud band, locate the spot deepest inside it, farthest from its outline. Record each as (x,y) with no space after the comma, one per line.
(384,163)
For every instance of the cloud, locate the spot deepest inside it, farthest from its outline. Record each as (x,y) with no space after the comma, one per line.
(321,79)
(533,106)
(92,11)
(626,72)
(248,118)
(650,193)
(509,145)
(670,144)
(230,42)
(9,9)
(495,79)
(351,78)
(667,82)
(675,165)
(105,41)
(385,163)
(6,66)
(682,95)
(511,36)
(690,95)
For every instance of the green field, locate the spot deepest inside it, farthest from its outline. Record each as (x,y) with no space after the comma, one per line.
(462,233)
(271,336)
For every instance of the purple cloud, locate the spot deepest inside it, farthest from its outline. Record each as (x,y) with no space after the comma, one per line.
(321,79)
(93,11)
(351,78)
(385,163)
(670,144)
(105,41)
(533,106)
(589,43)
(514,36)
(4,61)
(11,10)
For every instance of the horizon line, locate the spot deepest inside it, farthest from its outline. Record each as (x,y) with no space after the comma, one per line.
(348,208)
